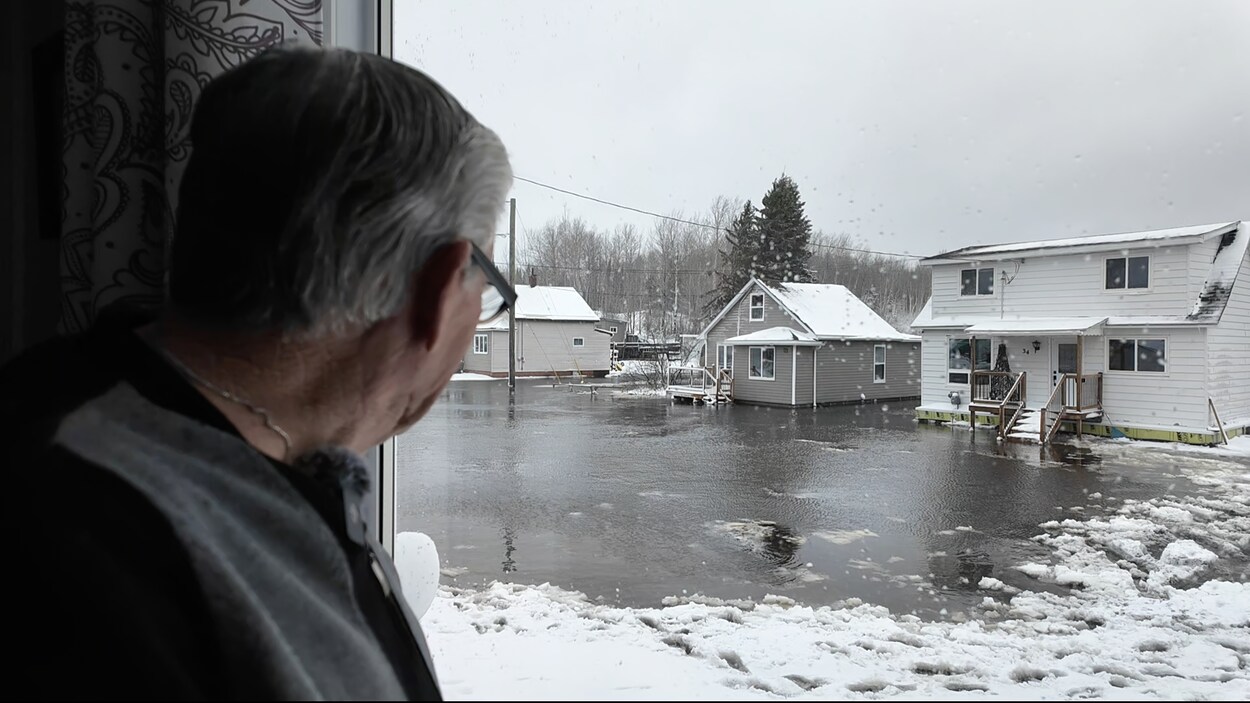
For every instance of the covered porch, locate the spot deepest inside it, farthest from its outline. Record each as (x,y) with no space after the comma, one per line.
(1043,382)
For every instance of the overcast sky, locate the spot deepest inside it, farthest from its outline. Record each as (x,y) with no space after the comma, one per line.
(916,127)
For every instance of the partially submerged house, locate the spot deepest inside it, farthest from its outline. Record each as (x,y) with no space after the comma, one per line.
(801,344)
(1141,334)
(557,334)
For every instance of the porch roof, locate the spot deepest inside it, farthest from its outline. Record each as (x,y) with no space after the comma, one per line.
(1071,326)
(780,336)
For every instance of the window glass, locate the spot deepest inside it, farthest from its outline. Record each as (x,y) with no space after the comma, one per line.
(968,282)
(1115,273)
(985,282)
(1139,272)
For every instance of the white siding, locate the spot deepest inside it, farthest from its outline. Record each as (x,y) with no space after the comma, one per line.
(1073,284)
(933,383)
(1200,258)
(1228,353)
(1176,397)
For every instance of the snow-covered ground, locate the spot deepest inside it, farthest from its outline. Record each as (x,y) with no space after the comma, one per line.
(635,367)
(1159,608)
(472,377)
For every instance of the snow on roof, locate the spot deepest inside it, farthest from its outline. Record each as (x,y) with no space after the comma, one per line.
(832,311)
(926,320)
(546,303)
(1039,326)
(776,335)
(1213,297)
(1101,239)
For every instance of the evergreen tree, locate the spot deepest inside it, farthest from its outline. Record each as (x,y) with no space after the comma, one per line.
(785,234)
(739,263)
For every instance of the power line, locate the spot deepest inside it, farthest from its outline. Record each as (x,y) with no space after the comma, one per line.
(618,205)
(697,224)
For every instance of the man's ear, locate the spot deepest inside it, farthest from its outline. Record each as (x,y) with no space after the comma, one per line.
(434,290)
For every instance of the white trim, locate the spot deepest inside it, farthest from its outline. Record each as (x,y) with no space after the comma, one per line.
(751,307)
(794,375)
(579,339)
(733,304)
(972,362)
(976,284)
(1150,277)
(814,350)
(753,377)
(484,347)
(1047,248)
(1167,351)
(613,328)
(885,351)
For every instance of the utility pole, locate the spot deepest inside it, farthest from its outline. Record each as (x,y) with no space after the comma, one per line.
(512,308)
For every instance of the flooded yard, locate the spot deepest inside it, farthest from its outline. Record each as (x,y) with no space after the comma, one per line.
(632,500)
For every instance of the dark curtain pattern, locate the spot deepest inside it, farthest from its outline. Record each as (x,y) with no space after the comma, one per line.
(133,72)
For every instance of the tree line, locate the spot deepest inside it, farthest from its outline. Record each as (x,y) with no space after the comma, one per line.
(674,278)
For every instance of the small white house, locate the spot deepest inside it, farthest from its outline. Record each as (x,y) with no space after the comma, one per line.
(1141,334)
(557,334)
(801,344)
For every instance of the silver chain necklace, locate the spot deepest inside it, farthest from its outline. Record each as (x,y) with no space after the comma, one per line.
(260,412)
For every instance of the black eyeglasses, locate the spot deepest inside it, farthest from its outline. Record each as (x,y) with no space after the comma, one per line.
(498,295)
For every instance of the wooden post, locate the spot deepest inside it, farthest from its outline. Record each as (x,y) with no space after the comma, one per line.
(972,383)
(512,308)
(1080,378)
(1218,423)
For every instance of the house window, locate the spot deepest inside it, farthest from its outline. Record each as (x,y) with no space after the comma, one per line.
(959,359)
(1128,272)
(757,306)
(878,363)
(1145,355)
(725,356)
(579,341)
(763,363)
(976,282)
(481,344)
(612,329)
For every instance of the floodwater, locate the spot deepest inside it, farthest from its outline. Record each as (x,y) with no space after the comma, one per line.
(633,499)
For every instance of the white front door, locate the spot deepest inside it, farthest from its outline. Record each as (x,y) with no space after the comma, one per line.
(1062,361)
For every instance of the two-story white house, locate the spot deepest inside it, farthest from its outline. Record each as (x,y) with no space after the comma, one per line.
(1140,334)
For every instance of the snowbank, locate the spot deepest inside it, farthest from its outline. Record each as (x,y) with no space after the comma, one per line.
(473,377)
(1159,608)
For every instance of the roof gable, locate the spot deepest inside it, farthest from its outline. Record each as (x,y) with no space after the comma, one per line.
(825,310)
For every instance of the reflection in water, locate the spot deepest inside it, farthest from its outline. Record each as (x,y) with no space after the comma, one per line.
(509,564)
(631,498)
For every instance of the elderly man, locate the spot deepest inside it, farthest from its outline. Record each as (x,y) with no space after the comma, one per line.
(189,503)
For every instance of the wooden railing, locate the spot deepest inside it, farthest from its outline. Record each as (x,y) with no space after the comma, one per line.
(707,380)
(1018,388)
(1081,393)
(1075,395)
(994,386)
(1001,393)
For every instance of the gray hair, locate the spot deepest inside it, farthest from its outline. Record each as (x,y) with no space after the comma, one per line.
(321,181)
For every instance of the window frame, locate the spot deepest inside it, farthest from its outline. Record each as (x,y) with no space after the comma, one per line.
(750,369)
(725,353)
(976,282)
(484,338)
(752,306)
(1167,342)
(884,351)
(612,329)
(579,339)
(967,373)
(1125,288)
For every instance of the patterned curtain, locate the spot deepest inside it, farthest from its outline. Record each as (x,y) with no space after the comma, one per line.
(133,72)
